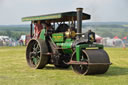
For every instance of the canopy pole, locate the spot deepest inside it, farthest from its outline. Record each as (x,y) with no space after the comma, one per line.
(54,25)
(31,30)
(74,24)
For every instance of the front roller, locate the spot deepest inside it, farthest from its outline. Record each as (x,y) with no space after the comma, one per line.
(35,53)
(92,61)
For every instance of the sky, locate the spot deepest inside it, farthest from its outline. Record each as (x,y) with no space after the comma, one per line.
(11,11)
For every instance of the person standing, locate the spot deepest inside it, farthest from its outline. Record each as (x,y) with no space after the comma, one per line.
(37,29)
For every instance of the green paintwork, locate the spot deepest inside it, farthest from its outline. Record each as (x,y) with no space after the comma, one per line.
(42,17)
(78,51)
(42,34)
(68,40)
(79,47)
(70,51)
(57,17)
(58,37)
(35,60)
(66,47)
(91,46)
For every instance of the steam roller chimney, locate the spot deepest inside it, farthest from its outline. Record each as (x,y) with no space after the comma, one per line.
(79,21)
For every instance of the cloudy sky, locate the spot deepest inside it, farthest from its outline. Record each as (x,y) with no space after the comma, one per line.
(11,11)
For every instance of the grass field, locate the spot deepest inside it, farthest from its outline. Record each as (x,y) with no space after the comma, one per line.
(15,71)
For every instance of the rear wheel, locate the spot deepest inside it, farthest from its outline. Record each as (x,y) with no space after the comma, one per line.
(35,53)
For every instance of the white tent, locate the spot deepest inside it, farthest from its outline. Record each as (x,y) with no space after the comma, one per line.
(112,42)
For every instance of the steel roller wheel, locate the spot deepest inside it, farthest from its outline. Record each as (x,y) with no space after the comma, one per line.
(97,62)
(35,53)
(80,69)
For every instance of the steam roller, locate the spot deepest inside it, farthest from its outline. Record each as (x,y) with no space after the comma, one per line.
(62,43)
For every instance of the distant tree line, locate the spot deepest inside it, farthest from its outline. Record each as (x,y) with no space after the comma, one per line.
(104,30)
(13,34)
(108,30)
(14,31)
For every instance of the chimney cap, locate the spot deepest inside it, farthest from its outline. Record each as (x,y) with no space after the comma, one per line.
(79,9)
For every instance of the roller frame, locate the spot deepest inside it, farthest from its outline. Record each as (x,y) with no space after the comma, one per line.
(85,63)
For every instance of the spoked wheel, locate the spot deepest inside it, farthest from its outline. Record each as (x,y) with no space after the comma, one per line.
(97,62)
(35,53)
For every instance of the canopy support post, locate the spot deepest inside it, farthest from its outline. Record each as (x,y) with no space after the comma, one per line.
(31,30)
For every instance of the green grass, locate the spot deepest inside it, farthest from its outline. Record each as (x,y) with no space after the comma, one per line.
(125,25)
(15,71)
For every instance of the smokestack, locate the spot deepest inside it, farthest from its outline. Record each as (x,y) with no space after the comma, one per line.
(79,21)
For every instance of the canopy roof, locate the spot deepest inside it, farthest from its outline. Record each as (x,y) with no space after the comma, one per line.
(57,17)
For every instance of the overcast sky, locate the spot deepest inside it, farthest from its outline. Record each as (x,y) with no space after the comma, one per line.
(11,11)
